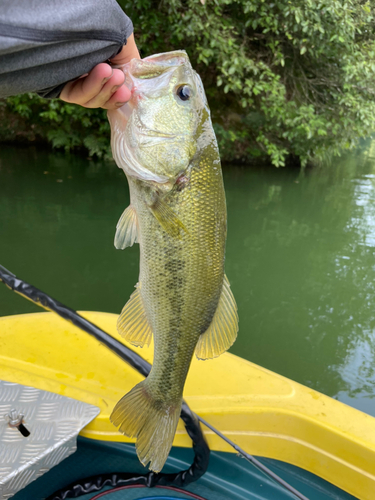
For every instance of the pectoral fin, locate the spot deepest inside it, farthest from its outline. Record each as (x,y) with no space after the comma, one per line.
(126,229)
(167,218)
(132,323)
(222,331)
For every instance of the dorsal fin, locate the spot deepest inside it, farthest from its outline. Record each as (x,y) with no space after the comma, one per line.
(132,323)
(222,331)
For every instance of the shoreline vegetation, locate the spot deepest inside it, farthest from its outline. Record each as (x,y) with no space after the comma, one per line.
(287,82)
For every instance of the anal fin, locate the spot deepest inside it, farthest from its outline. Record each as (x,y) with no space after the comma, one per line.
(132,323)
(223,329)
(126,229)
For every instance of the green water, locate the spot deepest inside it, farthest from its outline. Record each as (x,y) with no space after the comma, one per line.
(300,257)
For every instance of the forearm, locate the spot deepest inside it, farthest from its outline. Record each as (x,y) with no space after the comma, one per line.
(44,44)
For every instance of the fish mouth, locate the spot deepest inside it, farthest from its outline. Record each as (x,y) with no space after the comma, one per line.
(145,131)
(149,132)
(150,138)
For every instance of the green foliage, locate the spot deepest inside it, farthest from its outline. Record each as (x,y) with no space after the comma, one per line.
(305,69)
(64,125)
(283,79)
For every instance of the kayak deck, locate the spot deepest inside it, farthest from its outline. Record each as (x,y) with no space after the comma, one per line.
(264,413)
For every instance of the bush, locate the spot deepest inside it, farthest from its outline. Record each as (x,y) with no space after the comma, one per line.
(30,118)
(284,79)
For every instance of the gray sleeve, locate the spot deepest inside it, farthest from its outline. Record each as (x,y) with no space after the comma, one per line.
(46,43)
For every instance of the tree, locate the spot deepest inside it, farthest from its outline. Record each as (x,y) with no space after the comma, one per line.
(284,79)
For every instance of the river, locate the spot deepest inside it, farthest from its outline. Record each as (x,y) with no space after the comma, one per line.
(300,257)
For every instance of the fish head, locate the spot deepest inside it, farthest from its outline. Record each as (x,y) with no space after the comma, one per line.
(154,135)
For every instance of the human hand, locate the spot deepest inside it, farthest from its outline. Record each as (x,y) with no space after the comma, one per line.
(104,86)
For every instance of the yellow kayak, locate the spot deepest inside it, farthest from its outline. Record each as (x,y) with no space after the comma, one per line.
(264,413)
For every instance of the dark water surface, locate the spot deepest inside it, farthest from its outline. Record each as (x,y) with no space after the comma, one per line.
(300,257)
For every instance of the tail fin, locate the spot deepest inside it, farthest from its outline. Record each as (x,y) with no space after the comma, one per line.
(152,422)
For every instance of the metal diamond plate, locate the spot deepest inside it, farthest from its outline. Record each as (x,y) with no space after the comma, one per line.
(54,423)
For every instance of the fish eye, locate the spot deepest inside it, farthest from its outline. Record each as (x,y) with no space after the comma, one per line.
(184,92)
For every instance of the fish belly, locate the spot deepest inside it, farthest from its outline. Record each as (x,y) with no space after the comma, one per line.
(181,279)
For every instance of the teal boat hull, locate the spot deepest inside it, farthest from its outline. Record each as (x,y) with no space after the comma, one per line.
(229,477)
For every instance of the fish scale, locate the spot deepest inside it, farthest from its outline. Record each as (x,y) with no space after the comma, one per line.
(165,143)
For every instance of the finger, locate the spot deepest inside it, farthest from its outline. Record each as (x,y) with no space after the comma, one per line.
(106,92)
(84,89)
(118,99)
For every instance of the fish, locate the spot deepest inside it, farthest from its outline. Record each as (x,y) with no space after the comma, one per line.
(164,141)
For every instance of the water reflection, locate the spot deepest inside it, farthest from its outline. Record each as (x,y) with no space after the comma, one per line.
(300,257)
(307,257)
(358,373)
(357,367)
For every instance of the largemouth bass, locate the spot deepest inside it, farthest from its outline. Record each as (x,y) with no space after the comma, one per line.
(164,141)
